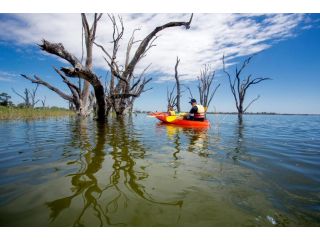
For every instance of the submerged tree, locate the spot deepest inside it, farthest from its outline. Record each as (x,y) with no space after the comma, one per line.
(240,86)
(80,95)
(206,86)
(124,86)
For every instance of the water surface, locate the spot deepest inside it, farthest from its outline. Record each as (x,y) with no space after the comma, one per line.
(264,171)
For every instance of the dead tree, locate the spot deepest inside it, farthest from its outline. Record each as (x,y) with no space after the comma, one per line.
(177,84)
(206,87)
(171,98)
(29,97)
(43,102)
(239,87)
(124,86)
(32,94)
(26,99)
(79,97)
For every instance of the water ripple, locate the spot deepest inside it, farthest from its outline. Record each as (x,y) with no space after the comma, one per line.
(264,171)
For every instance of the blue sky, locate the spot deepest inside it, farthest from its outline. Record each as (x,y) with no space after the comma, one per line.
(287,46)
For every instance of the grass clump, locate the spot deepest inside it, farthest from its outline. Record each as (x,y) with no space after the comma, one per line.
(14,113)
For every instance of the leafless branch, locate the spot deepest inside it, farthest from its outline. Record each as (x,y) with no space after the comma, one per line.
(59,50)
(171,99)
(251,103)
(24,98)
(230,84)
(145,43)
(43,102)
(188,88)
(38,80)
(129,46)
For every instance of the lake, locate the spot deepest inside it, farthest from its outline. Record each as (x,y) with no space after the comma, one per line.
(136,172)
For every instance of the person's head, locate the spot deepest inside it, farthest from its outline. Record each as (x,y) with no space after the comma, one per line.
(170,108)
(193,102)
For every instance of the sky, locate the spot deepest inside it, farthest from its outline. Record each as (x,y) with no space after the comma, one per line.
(287,48)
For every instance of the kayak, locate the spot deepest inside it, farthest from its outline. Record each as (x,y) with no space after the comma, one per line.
(165,118)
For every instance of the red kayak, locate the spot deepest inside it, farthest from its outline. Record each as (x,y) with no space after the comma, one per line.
(165,118)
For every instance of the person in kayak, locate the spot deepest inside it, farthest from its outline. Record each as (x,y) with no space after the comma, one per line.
(197,112)
(171,111)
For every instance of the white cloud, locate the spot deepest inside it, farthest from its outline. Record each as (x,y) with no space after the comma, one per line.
(210,36)
(7,76)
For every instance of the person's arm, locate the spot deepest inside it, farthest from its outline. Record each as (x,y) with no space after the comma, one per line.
(194,109)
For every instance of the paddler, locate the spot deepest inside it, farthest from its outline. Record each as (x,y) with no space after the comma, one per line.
(197,112)
(171,111)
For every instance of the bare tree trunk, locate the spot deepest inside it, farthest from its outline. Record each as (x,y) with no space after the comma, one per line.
(240,109)
(178,84)
(95,82)
(71,106)
(90,34)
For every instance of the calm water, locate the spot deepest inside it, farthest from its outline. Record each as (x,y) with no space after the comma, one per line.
(67,172)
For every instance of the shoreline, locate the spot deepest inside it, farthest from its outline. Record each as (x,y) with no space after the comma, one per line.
(12,113)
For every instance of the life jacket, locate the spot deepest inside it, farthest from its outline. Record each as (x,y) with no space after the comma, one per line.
(201,112)
(172,113)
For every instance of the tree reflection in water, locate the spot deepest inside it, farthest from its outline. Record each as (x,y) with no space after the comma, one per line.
(238,151)
(124,148)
